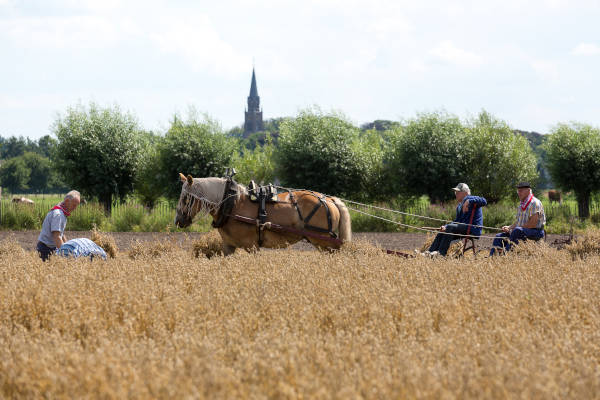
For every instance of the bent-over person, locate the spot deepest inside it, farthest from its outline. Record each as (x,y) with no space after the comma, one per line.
(52,235)
(529,224)
(467,205)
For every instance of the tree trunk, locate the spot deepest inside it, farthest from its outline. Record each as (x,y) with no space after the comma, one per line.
(583,204)
(106,201)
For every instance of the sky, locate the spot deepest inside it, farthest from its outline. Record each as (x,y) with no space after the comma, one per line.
(532,64)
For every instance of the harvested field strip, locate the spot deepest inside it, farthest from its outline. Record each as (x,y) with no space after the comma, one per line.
(294,324)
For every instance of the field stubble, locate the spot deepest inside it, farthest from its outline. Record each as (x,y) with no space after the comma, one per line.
(298,324)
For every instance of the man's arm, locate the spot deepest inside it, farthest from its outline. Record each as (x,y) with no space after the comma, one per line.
(58,241)
(532,221)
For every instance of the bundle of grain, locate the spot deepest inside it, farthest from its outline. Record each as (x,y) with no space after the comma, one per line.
(106,241)
(156,249)
(361,247)
(585,245)
(209,245)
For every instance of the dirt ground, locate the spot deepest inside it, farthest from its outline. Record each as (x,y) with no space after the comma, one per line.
(392,241)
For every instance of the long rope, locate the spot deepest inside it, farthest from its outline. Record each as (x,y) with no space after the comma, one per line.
(203,199)
(419,228)
(395,211)
(416,215)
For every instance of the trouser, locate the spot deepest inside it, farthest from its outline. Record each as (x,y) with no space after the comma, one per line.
(517,234)
(442,241)
(44,251)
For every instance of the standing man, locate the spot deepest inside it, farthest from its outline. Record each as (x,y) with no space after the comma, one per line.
(529,224)
(52,235)
(467,205)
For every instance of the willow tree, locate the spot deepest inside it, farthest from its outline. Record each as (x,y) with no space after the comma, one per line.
(98,151)
(497,158)
(574,161)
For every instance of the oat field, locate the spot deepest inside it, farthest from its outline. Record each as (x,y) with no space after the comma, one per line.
(299,324)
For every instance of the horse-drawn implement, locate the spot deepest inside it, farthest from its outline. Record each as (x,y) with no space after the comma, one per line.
(276,217)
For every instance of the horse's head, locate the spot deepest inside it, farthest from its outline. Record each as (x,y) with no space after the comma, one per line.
(198,195)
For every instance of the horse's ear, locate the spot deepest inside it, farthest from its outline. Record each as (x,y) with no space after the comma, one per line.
(190,180)
(182,177)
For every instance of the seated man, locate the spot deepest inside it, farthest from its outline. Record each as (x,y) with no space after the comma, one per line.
(529,224)
(466,204)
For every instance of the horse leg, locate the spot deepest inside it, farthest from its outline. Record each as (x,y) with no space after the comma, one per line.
(228,249)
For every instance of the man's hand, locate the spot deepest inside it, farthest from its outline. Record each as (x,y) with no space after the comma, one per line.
(506,229)
(443,228)
(465,206)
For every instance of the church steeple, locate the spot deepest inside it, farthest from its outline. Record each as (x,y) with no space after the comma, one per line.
(253,121)
(253,90)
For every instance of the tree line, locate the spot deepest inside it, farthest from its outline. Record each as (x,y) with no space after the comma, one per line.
(104,153)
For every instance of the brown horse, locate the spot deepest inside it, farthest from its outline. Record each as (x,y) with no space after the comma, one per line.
(555,195)
(205,196)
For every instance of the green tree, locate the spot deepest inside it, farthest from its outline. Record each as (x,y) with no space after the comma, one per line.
(196,147)
(42,176)
(14,174)
(322,152)
(573,152)
(98,151)
(147,185)
(46,145)
(257,164)
(497,158)
(427,156)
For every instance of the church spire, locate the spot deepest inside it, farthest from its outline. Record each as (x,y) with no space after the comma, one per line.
(253,90)
(253,121)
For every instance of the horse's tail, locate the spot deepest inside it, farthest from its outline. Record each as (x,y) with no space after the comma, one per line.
(345,228)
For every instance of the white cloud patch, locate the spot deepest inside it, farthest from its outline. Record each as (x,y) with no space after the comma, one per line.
(61,32)
(586,49)
(199,43)
(448,53)
(546,70)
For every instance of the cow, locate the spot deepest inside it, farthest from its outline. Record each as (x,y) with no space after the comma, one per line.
(22,200)
(555,195)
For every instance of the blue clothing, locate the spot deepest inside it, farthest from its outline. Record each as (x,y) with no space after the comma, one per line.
(81,247)
(517,234)
(55,221)
(465,217)
(442,241)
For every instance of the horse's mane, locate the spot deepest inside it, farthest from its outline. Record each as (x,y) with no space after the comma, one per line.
(208,194)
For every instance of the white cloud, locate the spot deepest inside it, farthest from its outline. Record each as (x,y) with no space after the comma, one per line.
(546,70)
(447,52)
(198,42)
(61,32)
(586,49)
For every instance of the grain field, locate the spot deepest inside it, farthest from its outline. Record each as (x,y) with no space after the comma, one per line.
(299,324)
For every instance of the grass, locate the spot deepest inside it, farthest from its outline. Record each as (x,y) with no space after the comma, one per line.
(133,217)
(297,324)
(126,217)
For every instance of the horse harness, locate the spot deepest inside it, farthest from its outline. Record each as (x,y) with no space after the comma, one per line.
(262,195)
(229,196)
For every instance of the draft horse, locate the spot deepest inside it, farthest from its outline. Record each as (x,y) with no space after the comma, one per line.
(294,215)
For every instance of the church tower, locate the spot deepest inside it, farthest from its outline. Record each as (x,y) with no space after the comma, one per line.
(254,119)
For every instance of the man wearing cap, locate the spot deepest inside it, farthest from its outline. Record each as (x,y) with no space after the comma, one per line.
(52,235)
(529,224)
(463,223)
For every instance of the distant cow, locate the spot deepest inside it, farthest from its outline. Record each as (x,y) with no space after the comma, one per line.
(555,195)
(22,200)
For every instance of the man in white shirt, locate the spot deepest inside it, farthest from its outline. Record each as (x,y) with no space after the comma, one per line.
(52,235)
